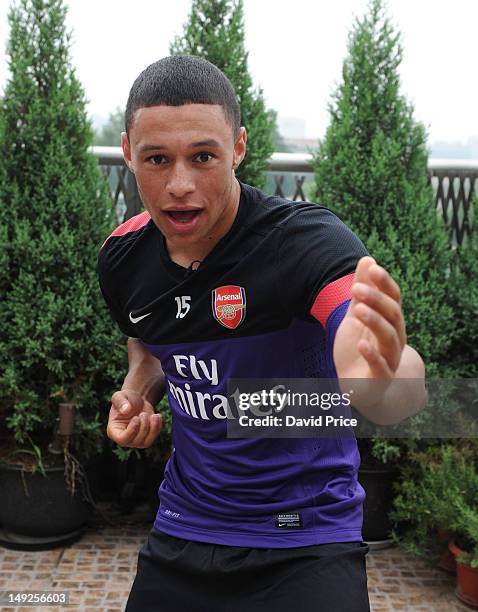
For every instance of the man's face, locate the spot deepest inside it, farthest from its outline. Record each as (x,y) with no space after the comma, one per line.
(183,159)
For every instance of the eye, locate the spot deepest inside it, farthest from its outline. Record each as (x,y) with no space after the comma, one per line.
(156,160)
(203,157)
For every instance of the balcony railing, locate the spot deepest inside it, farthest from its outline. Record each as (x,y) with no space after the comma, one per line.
(290,175)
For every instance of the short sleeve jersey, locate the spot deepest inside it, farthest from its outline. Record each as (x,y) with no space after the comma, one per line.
(265,303)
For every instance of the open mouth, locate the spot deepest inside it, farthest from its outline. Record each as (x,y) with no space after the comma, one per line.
(183,216)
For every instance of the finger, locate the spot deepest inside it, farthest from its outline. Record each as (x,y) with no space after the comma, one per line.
(376,362)
(389,286)
(155,426)
(156,421)
(119,399)
(127,402)
(387,340)
(384,281)
(361,275)
(138,440)
(126,437)
(384,304)
(116,426)
(363,265)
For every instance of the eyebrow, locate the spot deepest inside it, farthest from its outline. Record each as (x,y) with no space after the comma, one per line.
(200,143)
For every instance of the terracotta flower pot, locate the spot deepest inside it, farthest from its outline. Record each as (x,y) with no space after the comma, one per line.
(467,576)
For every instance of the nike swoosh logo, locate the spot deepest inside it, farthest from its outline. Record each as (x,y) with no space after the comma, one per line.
(136,319)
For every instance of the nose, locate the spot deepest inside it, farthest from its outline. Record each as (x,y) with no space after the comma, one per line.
(180,180)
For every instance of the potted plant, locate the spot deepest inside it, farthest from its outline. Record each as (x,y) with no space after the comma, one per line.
(47,502)
(437,498)
(57,344)
(419,513)
(398,453)
(467,565)
(463,509)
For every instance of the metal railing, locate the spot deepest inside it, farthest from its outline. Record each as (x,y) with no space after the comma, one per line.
(290,175)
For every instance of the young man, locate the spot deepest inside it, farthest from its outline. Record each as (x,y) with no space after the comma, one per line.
(217,280)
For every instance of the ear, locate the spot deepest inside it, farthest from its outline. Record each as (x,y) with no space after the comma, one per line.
(239,148)
(126,150)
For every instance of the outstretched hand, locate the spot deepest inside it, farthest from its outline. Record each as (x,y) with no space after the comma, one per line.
(132,420)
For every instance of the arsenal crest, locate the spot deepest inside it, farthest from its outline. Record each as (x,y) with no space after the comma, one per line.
(229,305)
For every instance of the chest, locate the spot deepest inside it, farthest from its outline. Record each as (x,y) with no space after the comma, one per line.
(234,295)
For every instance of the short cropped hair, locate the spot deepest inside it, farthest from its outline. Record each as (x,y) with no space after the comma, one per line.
(183,79)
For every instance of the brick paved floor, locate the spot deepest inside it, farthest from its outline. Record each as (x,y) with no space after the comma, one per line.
(98,570)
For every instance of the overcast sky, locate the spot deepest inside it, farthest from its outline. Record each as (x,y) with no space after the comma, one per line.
(296,49)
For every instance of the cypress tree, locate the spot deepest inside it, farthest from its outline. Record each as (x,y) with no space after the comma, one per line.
(215,31)
(58,342)
(463,292)
(371,170)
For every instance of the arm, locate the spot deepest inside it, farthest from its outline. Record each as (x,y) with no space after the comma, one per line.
(145,375)
(317,258)
(133,421)
(370,351)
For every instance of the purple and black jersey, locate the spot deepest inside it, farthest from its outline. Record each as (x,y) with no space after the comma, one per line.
(265,303)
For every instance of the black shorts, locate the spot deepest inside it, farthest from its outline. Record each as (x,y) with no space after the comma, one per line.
(176,575)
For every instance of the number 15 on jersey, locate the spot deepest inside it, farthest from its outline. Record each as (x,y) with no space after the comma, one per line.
(183,305)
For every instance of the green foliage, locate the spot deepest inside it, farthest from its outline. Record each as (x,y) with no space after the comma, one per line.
(110,133)
(58,341)
(36,452)
(215,31)
(463,295)
(371,169)
(384,451)
(439,491)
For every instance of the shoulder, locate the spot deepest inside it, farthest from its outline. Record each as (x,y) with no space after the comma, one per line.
(278,210)
(291,211)
(125,244)
(305,213)
(300,224)
(129,228)
(314,226)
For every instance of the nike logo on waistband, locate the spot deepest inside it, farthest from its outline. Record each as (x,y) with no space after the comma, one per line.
(136,319)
